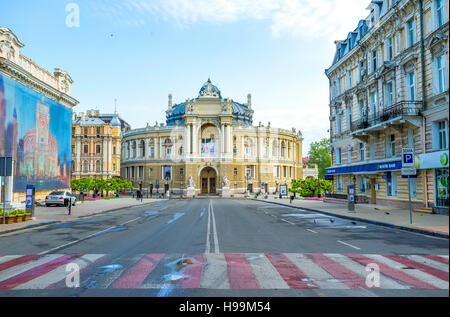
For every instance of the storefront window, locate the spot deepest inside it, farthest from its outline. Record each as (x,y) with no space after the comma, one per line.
(442,187)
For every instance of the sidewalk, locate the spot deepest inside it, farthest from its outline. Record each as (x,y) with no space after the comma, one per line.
(385,215)
(46,215)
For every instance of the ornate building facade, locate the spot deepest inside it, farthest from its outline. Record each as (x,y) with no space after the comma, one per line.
(388,91)
(210,142)
(96,144)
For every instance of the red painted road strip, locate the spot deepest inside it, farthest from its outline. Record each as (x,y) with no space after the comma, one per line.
(240,273)
(394,273)
(18,261)
(341,273)
(193,272)
(135,275)
(290,272)
(436,258)
(37,271)
(420,266)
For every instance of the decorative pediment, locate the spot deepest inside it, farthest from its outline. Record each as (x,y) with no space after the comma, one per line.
(436,42)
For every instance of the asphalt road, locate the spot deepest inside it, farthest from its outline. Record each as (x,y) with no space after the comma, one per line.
(220,247)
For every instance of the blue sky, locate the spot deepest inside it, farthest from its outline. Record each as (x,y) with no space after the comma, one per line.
(139,51)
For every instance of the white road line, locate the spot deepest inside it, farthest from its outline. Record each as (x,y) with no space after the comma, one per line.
(352,246)
(208,248)
(216,240)
(312,230)
(87,237)
(288,221)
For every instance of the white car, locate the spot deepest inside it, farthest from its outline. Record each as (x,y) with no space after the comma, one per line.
(59,198)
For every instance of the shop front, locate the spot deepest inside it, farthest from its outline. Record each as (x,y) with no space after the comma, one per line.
(436,165)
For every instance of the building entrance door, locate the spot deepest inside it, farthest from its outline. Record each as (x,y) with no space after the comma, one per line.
(208,178)
(212,185)
(204,185)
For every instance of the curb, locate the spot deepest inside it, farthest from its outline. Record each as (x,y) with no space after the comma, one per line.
(375,222)
(40,224)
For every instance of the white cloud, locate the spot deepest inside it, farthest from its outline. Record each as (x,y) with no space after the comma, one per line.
(334,18)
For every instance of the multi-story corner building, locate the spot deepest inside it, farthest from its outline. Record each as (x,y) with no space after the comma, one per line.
(209,138)
(96,144)
(388,91)
(35,111)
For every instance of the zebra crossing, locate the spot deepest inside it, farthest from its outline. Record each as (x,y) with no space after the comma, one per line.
(236,271)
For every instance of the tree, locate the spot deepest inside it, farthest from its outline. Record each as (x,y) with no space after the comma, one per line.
(320,156)
(310,187)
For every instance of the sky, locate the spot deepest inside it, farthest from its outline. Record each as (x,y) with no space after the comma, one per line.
(133,53)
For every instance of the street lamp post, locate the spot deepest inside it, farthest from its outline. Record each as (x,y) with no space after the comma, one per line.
(354,186)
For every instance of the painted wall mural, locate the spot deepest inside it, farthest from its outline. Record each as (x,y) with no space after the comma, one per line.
(36,131)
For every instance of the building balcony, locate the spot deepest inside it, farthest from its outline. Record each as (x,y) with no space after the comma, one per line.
(398,113)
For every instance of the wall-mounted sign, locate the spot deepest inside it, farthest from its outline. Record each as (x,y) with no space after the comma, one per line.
(438,159)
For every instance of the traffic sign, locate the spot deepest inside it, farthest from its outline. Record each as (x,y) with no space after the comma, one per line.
(409,171)
(408,157)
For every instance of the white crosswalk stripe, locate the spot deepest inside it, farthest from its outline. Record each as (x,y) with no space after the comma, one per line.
(266,275)
(385,282)
(429,262)
(318,275)
(59,273)
(18,269)
(215,273)
(325,271)
(411,271)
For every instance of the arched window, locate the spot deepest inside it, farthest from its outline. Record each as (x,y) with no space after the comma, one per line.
(274,148)
(73,166)
(210,136)
(85,166)
(134,149)
(142,148)
(248,146)
(283,149)
(97,167)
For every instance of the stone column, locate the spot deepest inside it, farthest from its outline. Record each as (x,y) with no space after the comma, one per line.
(229,139)
(160,148)
(222,138)
(188,139)
(194,128)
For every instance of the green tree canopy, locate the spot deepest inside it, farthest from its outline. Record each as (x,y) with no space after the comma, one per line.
(319,155)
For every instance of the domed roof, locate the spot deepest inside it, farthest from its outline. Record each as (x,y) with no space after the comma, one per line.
(241,112)
(209,90)
(115,121)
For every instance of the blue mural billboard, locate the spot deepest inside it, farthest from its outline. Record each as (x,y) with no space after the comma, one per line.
(36,131)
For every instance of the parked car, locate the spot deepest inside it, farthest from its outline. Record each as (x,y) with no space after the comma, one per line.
(59,198)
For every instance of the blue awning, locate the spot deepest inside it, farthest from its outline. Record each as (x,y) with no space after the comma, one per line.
(372,167)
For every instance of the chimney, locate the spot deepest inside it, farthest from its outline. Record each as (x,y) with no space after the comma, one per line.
(82,116)
(249,101)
